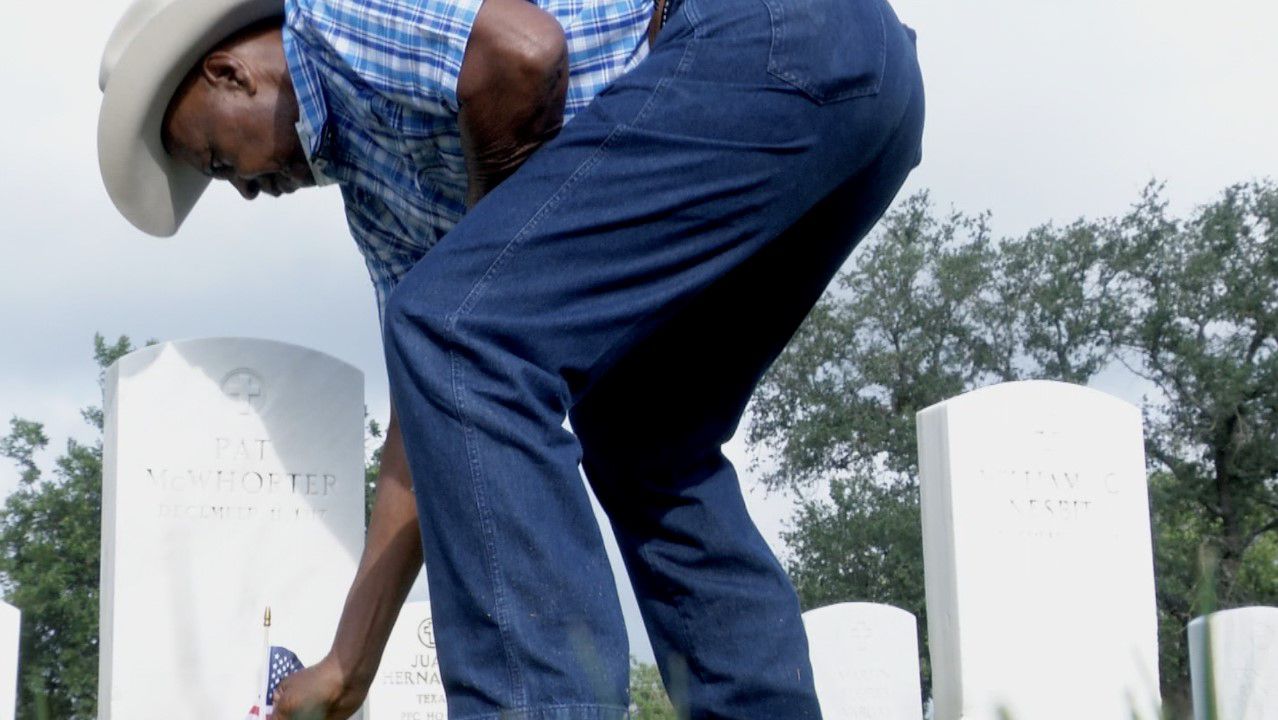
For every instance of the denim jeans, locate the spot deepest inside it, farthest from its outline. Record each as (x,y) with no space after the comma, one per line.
(638,275)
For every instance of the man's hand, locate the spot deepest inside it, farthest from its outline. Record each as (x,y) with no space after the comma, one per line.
(511,90)
(319,692)
(335,687)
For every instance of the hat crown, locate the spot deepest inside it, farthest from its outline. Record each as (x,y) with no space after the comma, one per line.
(153,46)
(130,25)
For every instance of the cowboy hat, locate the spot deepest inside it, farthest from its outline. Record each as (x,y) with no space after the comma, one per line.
(152,48)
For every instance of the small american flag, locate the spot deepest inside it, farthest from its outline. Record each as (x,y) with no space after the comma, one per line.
(280,663)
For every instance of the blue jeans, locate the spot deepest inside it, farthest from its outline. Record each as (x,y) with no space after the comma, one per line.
(638,275)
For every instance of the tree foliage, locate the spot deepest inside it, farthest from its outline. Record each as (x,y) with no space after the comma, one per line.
(933,307)
(50,533)
(1195,313)
(373,439)
(648,698)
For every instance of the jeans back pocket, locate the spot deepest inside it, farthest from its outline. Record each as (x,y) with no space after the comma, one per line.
(830,49)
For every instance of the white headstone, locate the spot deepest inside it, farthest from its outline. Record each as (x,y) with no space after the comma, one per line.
(10,638)
(233,479)
(1037,555)
(1241,672)
(408,686)
(865,661)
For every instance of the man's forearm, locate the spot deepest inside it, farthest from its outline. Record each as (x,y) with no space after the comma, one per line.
(391,561)
(511,89)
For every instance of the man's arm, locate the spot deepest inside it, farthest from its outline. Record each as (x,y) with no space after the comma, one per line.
(392,558)
(510,91)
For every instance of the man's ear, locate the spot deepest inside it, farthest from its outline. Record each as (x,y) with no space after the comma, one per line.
(225,71)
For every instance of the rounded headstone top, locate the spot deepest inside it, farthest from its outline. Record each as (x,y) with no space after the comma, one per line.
(862,609)
(1037,392)
(202,347)
(1255,613)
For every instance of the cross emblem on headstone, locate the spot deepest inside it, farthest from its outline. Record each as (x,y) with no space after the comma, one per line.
(426,633)
(244,387)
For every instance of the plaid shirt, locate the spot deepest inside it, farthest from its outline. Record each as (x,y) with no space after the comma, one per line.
(376,84)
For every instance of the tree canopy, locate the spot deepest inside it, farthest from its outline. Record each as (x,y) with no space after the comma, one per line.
(50,539)
(933,306)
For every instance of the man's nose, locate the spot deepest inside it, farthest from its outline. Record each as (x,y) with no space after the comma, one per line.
(248,188)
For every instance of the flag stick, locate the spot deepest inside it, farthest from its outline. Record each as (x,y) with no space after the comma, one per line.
(258,711)
(264,679)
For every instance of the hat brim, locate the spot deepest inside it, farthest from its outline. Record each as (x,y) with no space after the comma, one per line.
(151,189)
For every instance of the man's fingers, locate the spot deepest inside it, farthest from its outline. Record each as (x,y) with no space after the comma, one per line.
(282,709)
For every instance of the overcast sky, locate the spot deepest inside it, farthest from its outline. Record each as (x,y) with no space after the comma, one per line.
(1037,110)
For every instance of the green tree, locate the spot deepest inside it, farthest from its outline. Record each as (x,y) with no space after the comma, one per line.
(1195,313)
(49,556)
(897,334)
(373,440)
(933,307)
(648,699)
(915,321)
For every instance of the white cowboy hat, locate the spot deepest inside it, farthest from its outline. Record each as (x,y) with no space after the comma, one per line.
(151,49)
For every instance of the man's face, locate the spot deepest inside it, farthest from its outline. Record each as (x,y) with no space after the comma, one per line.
(234,121)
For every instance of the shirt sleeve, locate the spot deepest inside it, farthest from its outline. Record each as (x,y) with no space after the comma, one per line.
(409,51)
(377,233)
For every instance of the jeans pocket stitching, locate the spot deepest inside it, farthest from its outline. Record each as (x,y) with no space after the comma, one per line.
(480,286)
(818,96)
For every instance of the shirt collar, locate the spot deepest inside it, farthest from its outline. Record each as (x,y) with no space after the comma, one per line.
(312,111)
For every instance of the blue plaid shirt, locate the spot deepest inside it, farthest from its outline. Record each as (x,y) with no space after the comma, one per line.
(376,84)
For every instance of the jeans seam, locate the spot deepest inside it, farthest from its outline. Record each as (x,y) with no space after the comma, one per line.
(685,61)
(472,298)
(472,451)
(678,599)
(518,691)
(476,292)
